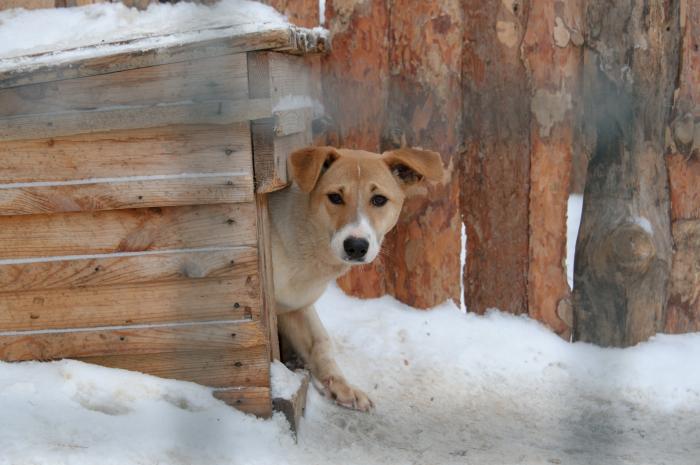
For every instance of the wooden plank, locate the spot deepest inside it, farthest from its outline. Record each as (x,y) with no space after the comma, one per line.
(121,193)
(26,4)
(31,236)
(177,301)
(267,287)
(294,407)
(254,400)
(134,117)
(146,339)
(285,81)
(292,121)
(217,78)
(217,368)
(108,270)
(139,53)
(152,151)
(289,78)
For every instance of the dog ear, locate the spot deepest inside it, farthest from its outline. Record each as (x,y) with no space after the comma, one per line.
(410,166)
(308,164)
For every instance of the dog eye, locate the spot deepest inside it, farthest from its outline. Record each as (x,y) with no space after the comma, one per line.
(336,199)
(378,200)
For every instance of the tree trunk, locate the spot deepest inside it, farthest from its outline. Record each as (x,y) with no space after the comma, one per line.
(683,161)
(420,265)
(496,162)
(424,110)
(623,256)
(552,53)
(355,87)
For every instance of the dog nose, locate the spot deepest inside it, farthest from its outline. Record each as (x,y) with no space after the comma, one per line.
(355,247)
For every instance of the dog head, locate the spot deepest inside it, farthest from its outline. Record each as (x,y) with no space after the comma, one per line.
(355,197)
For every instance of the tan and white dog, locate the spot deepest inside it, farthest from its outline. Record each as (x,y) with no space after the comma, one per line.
(334,216)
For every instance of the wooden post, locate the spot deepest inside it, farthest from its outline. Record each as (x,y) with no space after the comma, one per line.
(423,109)
(553,56)
(683,162)
(496,161)
(623,256)
(355,89)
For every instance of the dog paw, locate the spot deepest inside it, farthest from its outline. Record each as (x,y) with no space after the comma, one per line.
(346,395)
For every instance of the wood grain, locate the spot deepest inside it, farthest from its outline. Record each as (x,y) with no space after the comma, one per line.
(87,233)
(496,163)
(215,368)
(137,152)
(40,126)
(107,270)
(140,53)
(131,304)
(285,81)
(216,78)
(254,400)
(49,345)
(117,194)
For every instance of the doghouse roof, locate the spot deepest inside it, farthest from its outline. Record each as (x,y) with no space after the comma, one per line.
(154,49)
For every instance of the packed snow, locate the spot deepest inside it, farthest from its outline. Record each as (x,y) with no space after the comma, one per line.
(449,388)
(285,383)
(70,34)
(70,28)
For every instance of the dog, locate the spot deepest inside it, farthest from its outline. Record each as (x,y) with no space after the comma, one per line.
(334,216)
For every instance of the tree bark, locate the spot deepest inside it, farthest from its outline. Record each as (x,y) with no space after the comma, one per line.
(553,56)
(355,87)
(423,109)
(683,162)
(496,161)
(623,256)
(416,65)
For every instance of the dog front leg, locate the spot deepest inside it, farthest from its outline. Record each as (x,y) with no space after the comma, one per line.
(307,336)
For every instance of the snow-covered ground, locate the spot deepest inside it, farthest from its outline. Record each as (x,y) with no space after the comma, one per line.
(449,388)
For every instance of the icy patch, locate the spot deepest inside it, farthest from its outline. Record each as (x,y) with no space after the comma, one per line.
(285,383)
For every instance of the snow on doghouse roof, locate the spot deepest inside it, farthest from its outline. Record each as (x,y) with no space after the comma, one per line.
(44,38)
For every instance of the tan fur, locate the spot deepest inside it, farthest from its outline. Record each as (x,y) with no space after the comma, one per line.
(306,228)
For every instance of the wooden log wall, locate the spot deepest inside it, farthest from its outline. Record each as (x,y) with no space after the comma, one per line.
(683,163)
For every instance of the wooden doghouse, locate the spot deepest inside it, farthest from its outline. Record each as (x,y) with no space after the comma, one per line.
(132,203)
